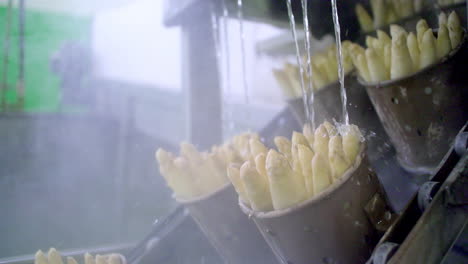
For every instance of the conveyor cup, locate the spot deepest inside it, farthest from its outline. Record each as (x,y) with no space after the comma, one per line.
(423,113)
(328,106)
(331,227)
(231,233)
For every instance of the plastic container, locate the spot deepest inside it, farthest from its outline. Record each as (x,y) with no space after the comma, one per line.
(228,229)
(422,113)
(332,227)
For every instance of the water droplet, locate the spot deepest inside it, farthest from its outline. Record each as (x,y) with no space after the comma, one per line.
(403,91)
(327,260)
(271,233)
(407,128)
(282,121)
(347,205)
(428,90)
(358,224)
(388,215)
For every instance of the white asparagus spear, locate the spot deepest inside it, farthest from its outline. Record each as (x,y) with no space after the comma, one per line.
(321,173)
(54,256)
(362,66)
(455,29)
(365,20)
(284,146)
(379,13)
(71,260)
(332,62)
(185,186)
(383,37)
(396,30)
(101,259)
(351,138)
(392,16)
(402,64)
(299,138)
(442,19)
(321,139)
(327,66)
(338,162)
(377,69)
(418,5)
(309,134)
(293,76)
(241,143)
(233,172)
(283,80)
(114,259)
(296,164)
(405,8)
(305,156)
(40,258)
(443,44)
(256,188)
(331,129)
(285,190)
(421,28)
(428,49)
(164,158)
(319,78)
(388,57)
(89,259)
(257,147)
(413,48)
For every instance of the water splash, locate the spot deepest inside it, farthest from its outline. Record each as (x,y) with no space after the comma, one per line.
(310,104)
(292,23)
(336,23)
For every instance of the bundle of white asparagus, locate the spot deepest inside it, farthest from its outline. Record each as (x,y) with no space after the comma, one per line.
(194,173)
(301,168)
(406,53)
(385,12)
(449,2)
(324,66)
(53,257)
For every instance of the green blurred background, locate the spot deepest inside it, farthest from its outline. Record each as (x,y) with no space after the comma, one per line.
(44,33)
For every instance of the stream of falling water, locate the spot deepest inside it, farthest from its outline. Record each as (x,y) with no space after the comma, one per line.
(226,70)
(336,23)
(218,51)
(215,27)
(292,23)
(310,89)
(240,17)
